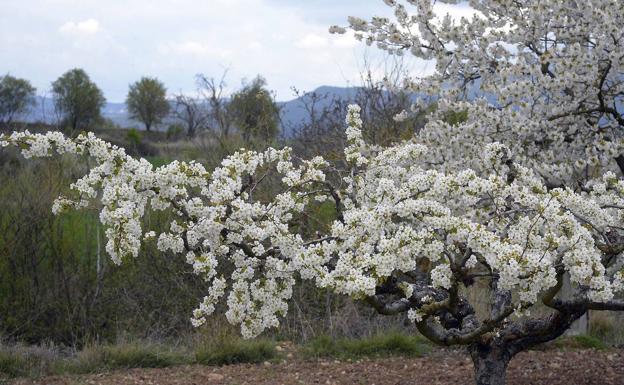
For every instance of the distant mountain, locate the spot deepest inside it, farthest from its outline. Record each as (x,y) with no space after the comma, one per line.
(43,111)
(292,111)
(118,113)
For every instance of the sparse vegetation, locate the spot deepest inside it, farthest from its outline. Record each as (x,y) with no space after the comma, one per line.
(236,351)
(582,341)
(126,355)
(381,345)
(222,349)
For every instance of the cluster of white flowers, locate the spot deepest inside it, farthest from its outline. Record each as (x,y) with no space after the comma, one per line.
(415,315)
(396,212)
(549,74)
(514,191)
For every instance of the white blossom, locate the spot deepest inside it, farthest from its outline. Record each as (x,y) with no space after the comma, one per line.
(525,187)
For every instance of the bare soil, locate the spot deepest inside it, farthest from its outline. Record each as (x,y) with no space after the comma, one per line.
(550,367)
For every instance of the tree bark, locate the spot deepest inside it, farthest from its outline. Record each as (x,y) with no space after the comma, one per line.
(490,363)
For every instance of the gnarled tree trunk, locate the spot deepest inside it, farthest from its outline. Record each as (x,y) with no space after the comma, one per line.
(490,363)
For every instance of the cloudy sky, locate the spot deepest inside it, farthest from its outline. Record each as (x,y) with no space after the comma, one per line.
(118,41)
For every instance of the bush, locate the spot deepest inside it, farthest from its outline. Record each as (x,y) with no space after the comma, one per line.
(174,131)
(135,356)
(123,356)
(27,361)
(158,161)
(582,341)
(607,328)
(236,351)
(381,345)
(13,365)
(134,137)
(36,361)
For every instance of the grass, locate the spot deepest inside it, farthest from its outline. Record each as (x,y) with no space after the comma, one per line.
(128,355)
(219,350)
(225,349)
(21,361)
(158,161)
(235,351)
(26,361)
(382,345)
(606,328)
(13,365)
(583,341)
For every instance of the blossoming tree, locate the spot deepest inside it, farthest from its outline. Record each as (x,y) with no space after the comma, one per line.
(524,192)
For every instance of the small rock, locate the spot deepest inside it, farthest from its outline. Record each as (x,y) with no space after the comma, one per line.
(216,377)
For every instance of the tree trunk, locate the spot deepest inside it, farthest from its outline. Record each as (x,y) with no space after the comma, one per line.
(490,363)
(581,325)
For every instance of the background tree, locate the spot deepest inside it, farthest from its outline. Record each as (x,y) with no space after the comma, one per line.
(192,113)
(254,111)
(147,101)
(212,91)
(16,97)
(77,100)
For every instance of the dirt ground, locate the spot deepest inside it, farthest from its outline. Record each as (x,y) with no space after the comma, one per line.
(535,367)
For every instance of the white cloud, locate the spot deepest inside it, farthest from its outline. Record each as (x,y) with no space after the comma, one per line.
(255,46)
(344,41)
(193,48)
(81,28)
(284,40)
(311,40)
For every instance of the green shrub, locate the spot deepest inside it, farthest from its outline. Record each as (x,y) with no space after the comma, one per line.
(235,351)
(13,365)
(134,137)
(158,161)
(174,130)
(381,345)
(589,342)
(26,361)
(582,341)
(135,356)
(606,328)
(123,356)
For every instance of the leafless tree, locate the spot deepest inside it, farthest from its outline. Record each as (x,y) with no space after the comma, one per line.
(212,91)
(381,96)
(193,113)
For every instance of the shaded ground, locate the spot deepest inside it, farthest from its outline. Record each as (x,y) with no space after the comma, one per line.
(535,367)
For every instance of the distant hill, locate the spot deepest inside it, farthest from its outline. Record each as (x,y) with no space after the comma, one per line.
(292,111)
(43,111)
